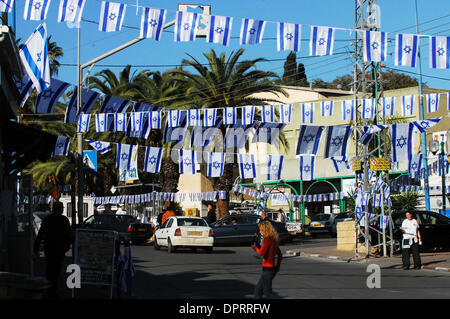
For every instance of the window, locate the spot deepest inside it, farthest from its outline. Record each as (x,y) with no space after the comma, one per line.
(165,224)
(170,223)
(191,222)
(431,219)
(85,210)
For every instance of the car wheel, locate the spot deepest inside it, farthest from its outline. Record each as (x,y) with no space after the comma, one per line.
(170,247)
(208,250)
(397,246)
(155,245)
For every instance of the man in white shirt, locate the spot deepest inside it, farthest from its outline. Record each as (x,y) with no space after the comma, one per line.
(121,210)
(410,242)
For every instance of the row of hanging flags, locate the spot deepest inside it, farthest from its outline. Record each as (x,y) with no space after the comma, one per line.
(252,30)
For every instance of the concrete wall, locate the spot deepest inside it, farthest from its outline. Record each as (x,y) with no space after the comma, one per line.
(346,237)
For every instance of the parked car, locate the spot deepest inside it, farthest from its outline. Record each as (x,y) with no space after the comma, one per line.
(128,226)
(184,231)
(323,224)
(244,230)
(343,217)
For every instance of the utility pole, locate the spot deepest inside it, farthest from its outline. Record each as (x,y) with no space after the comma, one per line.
(80,168)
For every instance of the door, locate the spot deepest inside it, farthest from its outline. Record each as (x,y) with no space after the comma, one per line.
(247,228)
(436,228)
(224,231)
(163,232)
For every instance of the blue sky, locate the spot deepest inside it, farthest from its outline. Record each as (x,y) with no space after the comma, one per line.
(396,16)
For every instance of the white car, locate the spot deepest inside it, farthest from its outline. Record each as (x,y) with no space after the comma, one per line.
(184,231)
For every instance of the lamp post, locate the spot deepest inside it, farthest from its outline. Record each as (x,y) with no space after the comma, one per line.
(444,206)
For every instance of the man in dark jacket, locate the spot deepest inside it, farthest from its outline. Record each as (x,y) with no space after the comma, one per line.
(211,217)
(56,233)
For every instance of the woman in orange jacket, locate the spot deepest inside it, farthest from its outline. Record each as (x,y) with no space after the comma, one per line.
(269,249)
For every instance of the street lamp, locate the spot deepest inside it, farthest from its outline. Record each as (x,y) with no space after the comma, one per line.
(434,148)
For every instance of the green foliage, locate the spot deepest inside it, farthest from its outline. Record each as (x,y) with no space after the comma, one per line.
(294,75)
(405,202)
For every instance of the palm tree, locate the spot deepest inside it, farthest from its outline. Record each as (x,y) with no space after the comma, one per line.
(55,52)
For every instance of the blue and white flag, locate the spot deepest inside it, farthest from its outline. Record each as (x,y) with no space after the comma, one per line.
(308,113)
(327,108)
(101,122)
(173,118)
(216,162)
(120,122)
(268,113)
(401,141)
(193,117)
(209,117)
(155,120)
(424,125)
(25,87)
(432,102)
(186,25)
(6,5)
(307,168)
(248,113)
(70,10)
(337,141)
(384,221)
(34,56)
(375,46)
(439,52)
(268,133)
(113,104)
(46,100)
(321,41)
(368,132)
(101,147)
(309,139)
(186,162)
(247,166)
(61,146)
(36,9)
(348,110)
(368,109)
(407,105)
(289,36)
(274,167)
(89,97)
(229,116)
(285,113)
(153,159)
(152,23)
(387,193)
(378,184)
(137,119)
(406,49)
(388,106)
(252,31)
(340,164)
(219,30)
(124,156)
(111,16)
(414,165)
(83,123)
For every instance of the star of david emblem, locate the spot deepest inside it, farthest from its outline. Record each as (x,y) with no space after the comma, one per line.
(186,26)
(368,110)
(152,160)
(60,144)
(210,117)
(219,30)
(247,166)
(137,122)
(322,41)
(348,111)
(248,114)
(407,49)
(98,145)
(37,5)
(192,117)
(336,141)
(375,45)
(71,8)
(274,168)
(155,119)
(153,23)
(401,142)
(230,115)
(408,106)
(267,112)
(425,124)
(307,113)
(388,106)
(102,122)
(252,31)
(286,113)
(47,93)
(174,118)
(187,162)
(308,138)
(124,156)
(306,168)
(414,166)
(289,36)
(327,106)
(119,122)
(112,16)
(433,101)
(216,165)
(440,51)
(83,123)
(39,57)
(19,85)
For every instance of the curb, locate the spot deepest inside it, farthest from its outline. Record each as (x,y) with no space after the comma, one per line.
(436,268)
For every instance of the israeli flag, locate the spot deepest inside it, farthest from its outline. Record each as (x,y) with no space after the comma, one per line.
(406,49)
(187,160)
(327,108)
(25,87)
(153,159)
(309,139)
(321,41)
(379,183)
(101,147)
(308,112)
(61,146)
(348,110)
(209,117)
(285,113)
(124,156)
(6,5)
(375,46)
(88,98)
(248,113)
(368,109)
(136,121)
(337,141)
(384,221)
(439,52)
(173,118)
(34,56)
(111,16)
(414,165)
(307,168)
(247,166)
(268,113)
(219,30)
(424,125)
(194,118)
(152,23)
(155,120)
(46,100)
(289,36)
(387,193)
(401,141)
(407,105)
(70,10)
(215,165)
(388,106)
(186,25)
(120,122)
(229,117)
(340,163)
(36,9)
(83,123)
(432,102)
(274,167)
(368,132)
(101,122)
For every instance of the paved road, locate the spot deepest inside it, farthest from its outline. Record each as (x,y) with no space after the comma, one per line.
(231,272)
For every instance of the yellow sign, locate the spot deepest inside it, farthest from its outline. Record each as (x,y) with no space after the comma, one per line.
(380,164)
(191,212)
(356,165)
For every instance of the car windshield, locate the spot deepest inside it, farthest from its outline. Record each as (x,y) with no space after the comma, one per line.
(321,217)
(191,222)
(342,215)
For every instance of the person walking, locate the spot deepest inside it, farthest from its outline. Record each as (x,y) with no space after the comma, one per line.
(56,233)
(169,212)
(270,267)
(411,241)
(211,217)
